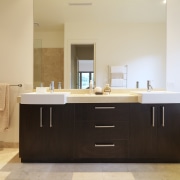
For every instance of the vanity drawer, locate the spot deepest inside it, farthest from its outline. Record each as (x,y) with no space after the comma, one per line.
(101,149)
(101,131)
(102,111)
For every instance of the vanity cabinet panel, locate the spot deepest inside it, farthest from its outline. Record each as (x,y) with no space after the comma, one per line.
(101,151)
(102,111)
(101,132)
(46,133)
(143,136)
(153,132)
(168,133)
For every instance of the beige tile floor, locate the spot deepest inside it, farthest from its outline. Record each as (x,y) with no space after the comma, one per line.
(12,169)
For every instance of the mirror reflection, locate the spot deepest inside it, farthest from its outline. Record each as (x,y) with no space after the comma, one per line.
(127,32)
(48,65)
(82,66)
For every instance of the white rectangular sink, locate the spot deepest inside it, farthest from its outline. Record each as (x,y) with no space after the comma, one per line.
(44,98)
(157,97)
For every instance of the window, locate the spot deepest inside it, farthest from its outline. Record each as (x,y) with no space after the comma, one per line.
(85,73)
(84,79)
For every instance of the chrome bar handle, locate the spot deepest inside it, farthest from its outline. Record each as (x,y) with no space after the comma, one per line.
(104,145)
(153,116)
(163,122)
(111,126)
(104,107)
(41,117)
(50,122)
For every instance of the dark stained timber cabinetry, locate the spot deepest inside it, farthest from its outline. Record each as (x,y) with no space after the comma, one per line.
(155,132)
(101,132)
(46,133)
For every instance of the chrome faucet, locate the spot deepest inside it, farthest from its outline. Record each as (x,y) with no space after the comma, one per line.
(137,84)
(51,86)
(149,87)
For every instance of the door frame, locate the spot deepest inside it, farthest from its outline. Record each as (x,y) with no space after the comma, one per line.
(67,59)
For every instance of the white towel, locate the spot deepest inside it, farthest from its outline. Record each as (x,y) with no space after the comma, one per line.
(117,76)
(4,106)
(117,82)
(2,96)
(117,69)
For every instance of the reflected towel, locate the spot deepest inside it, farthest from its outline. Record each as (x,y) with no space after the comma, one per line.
(4,106)
(118,69)
(117,76)
(117,82)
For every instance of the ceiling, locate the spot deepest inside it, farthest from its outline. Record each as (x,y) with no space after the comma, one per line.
(52,14)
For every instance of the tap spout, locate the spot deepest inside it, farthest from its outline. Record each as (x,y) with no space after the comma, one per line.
(149,87)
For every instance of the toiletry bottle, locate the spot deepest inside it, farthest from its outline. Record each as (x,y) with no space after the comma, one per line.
(91,87)
(59,85)
(107,89)
(52,87)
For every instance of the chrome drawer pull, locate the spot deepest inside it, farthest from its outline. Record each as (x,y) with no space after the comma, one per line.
(50,125)
(163,123)
(153,116)
(96,126)
(104,107)
(41,117)
(104,145)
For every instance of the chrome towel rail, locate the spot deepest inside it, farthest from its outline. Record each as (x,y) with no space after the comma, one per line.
(19,85)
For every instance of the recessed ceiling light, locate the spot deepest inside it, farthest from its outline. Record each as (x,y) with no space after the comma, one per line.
(164,1)
(81,4)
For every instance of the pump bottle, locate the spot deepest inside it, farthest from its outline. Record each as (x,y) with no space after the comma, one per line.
(91,87)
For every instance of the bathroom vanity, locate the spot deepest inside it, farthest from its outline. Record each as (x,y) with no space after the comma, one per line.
(100,132)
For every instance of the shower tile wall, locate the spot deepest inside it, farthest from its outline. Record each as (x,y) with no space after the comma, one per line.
(51,66)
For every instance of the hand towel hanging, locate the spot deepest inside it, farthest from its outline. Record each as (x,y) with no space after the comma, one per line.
(4,106)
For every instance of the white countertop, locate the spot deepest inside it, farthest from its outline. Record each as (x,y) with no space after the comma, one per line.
(116,96)
(112,98)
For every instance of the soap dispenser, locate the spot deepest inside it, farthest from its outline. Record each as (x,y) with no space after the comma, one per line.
(59,85)
(107,89)
(91,87)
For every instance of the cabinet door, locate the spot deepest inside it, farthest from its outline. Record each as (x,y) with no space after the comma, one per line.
(63,116)
(31,133)
(46,133)
(143,131)
(169,132)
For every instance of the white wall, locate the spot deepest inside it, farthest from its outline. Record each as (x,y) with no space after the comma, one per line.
(16,45)
(141,46)
(16,57)
(51,39)
(173,45)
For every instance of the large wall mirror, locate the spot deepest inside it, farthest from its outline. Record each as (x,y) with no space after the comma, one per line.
(126,32)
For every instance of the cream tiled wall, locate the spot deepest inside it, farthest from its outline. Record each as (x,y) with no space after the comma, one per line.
(173,44)
(16,56)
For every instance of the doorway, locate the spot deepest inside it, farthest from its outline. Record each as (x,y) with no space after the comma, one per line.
(82,65)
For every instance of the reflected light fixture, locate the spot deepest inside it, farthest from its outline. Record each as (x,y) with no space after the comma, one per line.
(164,1)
